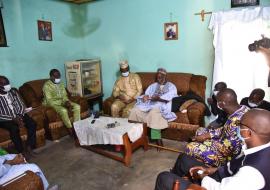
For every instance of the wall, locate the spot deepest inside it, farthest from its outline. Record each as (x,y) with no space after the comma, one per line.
(111,30)
(134,30)
(27,58)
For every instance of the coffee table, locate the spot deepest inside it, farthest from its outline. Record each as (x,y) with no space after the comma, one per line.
(131,135)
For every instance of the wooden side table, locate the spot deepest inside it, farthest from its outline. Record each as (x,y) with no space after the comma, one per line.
(96,98)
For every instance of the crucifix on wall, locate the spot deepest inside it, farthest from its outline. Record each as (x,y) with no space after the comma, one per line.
(202,14)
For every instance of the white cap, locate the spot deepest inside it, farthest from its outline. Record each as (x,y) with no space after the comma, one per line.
(123,64)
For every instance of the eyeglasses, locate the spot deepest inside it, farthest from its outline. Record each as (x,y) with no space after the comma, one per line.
(239,123)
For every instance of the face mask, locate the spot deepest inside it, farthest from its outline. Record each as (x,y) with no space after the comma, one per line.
(240,136)
(215,92)
(125,74)
(252,104)
(57,81)
(7,88)
(244,146)
(219,107)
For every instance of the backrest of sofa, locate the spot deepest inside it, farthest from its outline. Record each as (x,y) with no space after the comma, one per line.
(31,92)
(198,85)
(183,82)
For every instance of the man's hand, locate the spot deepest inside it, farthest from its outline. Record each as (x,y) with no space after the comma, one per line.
(201,138)
(202,172)
(209,101)
(146,98)
(19,159)
(68,105)
(129,101)
(155,98)
(18,120)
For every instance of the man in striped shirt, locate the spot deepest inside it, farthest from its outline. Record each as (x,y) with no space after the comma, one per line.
(13,117)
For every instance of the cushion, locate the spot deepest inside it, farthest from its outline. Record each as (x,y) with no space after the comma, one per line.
(186,104)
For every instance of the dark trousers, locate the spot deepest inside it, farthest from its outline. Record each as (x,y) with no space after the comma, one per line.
(166,179)
(181,168)
(14,131)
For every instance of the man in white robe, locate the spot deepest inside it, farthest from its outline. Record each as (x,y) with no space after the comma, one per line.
(154,107)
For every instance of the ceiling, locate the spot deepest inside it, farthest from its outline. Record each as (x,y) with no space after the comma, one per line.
(78,1)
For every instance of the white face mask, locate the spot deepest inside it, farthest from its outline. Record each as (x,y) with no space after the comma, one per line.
(7,88)
(57,81)
(215,92)
(219,107)
(244,146)
(125,74)
(252,104)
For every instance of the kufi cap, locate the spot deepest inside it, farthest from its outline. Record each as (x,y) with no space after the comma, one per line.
(162,71)
(123,64)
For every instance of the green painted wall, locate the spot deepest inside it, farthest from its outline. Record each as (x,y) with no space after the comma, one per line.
(27,58)
(111,30)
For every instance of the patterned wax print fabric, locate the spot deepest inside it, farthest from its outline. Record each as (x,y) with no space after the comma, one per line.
(223,145)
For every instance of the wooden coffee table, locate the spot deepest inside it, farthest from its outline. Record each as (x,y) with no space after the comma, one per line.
(129,147)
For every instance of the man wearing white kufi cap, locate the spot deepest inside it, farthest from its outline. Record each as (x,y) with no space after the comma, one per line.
(125,91)
(154,107)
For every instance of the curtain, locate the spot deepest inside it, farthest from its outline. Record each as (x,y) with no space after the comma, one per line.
(234,64)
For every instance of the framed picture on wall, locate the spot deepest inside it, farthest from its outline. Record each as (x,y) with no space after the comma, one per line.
(244,3)
(44,30)
(3,40)
(171,31)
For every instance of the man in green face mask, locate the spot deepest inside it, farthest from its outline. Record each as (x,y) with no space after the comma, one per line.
(55,96)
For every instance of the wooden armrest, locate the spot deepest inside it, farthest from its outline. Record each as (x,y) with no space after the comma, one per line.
(26,181)
(195,187)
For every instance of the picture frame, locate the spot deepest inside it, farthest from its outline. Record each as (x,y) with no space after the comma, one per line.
(171,31)
(3,40)
(44,30)
(244,3)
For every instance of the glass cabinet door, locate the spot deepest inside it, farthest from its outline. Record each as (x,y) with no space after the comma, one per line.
(91,78)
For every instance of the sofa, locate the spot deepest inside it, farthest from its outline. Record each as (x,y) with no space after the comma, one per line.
(26,181)
(187,122)
(32,94)
(38,117)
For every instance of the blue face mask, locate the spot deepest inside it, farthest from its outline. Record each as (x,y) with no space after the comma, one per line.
(239,135)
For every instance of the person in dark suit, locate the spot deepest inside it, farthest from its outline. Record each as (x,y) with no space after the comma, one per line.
(221,116)
(255,100)
(249,170)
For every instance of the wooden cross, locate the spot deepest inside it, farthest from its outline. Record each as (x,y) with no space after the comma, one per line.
(203,13)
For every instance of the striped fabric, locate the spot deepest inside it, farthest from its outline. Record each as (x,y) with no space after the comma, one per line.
(16,107)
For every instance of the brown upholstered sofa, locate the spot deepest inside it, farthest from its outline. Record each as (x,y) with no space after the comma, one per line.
(32,94)
(186,123)
(38,117)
